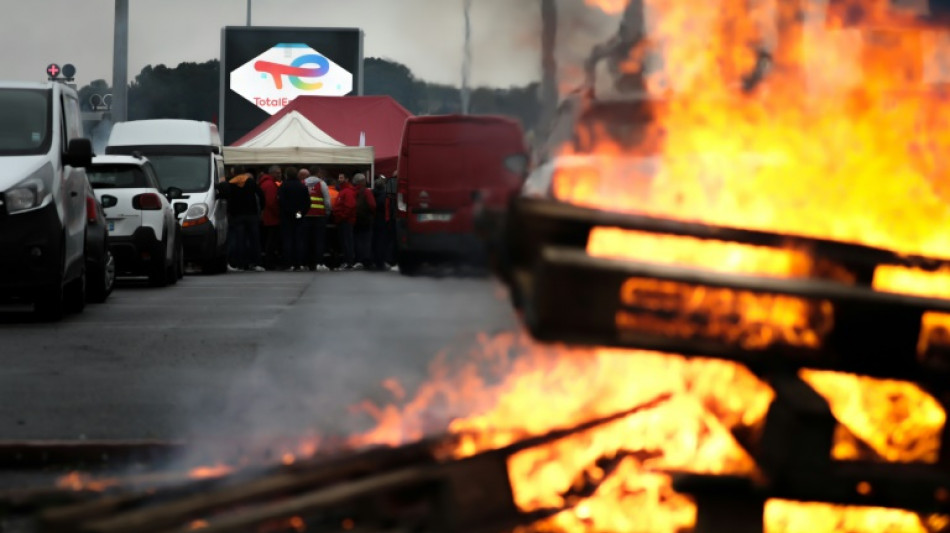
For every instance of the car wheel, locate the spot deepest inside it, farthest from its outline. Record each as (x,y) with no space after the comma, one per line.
(158,276)
(180,263)
(409,264)
(102,280)
(74,294)
(49,303)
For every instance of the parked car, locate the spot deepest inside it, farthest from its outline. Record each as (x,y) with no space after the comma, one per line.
(451,168)
(100,263)
(144,234)
(186,154)
(44,198)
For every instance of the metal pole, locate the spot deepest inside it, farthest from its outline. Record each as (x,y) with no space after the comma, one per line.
(248,12)
(467,59)
(120,62)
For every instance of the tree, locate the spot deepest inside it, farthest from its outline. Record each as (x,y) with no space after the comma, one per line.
(191,91)
(188,91)
(381,76)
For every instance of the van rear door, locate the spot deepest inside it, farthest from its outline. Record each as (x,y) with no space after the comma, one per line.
(454,165)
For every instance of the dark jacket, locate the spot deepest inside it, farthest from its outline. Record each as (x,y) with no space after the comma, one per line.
(382,216)
(293,198)
(271,214)
(244,197)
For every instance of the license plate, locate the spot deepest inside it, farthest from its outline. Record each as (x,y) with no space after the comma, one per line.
(434,217)
(111,225)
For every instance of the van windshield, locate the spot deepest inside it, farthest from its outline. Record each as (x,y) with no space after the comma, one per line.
(25,121)
(190,173)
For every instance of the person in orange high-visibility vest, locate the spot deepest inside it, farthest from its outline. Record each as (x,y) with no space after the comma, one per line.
(313,229)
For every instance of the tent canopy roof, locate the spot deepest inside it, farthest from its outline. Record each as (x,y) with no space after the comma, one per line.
(379,119)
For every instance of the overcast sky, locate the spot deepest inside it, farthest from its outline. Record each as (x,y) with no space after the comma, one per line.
(426,35)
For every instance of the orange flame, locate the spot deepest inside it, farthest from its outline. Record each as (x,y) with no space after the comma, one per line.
(611,7)
(837,142)
(79,481)
(782,516)
(844,138)
(207,472)
(898,420)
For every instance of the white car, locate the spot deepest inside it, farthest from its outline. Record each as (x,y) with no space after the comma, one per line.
(144,233)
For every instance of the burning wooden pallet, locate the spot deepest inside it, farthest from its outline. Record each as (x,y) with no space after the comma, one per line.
(410,488)
(636,303)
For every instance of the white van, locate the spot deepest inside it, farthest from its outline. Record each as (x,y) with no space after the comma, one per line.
(45,207)
(186,155)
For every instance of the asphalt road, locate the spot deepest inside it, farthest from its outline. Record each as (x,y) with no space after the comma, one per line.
(234,356)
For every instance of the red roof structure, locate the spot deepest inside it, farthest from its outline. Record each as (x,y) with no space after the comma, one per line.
(380,119)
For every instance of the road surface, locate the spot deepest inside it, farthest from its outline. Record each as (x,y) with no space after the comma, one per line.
(235,355)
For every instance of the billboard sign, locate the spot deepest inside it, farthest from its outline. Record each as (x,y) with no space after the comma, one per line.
(263,69)
(271,80)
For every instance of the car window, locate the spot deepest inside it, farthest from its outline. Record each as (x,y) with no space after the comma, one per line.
(117,177)
(190,173)
(25,121)
(72,116)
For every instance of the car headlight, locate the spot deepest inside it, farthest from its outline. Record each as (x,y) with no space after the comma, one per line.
(196,211)
(195,216)
(25,196)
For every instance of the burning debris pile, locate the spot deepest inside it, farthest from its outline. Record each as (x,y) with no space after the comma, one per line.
(757,271)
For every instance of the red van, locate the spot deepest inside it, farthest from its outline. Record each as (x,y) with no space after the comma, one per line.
(451,168)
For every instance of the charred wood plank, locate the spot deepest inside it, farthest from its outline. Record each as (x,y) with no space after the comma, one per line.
(47,454)
(535,223)
(910,486)
(156,508)
(799,430)
(866,342)
(444,492)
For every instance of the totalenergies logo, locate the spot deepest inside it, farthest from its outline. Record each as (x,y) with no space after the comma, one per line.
(261,80)
(306,66)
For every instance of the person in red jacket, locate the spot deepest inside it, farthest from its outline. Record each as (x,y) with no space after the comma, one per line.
(344,213)
(364,214)
(270,218)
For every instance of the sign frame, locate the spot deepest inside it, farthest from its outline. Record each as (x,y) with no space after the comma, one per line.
(240,44)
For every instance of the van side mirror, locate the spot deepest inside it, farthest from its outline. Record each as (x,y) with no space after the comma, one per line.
(79,153)
(174,193)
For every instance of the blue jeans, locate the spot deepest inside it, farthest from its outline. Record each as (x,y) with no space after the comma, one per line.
(245,240)
(346,240)
(312,234)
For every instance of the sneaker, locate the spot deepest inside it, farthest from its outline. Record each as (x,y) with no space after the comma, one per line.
(394,268)
(346,267)
(322,268)
(257,268)
(234,269)
(358,266)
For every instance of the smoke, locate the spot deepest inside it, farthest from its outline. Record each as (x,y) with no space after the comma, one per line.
(99,135)
(467,58)
(548,63)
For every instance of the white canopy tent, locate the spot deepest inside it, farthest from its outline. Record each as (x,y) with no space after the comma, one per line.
(294,140)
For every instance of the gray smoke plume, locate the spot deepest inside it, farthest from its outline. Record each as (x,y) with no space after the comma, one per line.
(467,60)
(549,89)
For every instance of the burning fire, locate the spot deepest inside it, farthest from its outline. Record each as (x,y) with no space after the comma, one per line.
(898,420)
(611,7)
(843,138)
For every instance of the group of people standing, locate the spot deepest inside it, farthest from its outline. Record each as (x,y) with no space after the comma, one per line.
(303,219)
